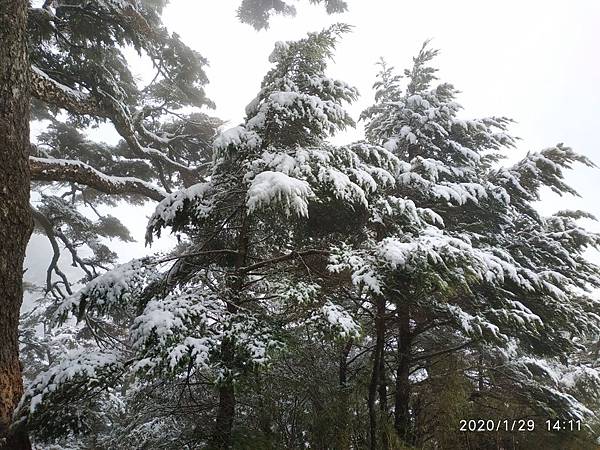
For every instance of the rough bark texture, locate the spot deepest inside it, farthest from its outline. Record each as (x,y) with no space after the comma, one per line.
(15,216)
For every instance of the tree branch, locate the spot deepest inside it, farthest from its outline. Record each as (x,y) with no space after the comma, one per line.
(422,356)
(292,255)
(65,170)
(50,91)
(53,266)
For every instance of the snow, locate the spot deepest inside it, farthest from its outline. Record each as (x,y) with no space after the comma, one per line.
(253,337)
(80,96)
(79,364)
(344,172)
(175,328)
(198,348)
(162,318)
(114,180)
(235,137)
(571,376)
(281,106)
(343,187)
(391,144)
(275,187)
(110,289)
(474,325)
(173,204)
(361,267)
(185,326)
(340,320)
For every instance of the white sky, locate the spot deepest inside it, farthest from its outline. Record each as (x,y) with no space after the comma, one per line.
(534,61)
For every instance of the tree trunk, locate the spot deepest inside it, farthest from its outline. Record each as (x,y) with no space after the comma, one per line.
(402,399)
(343,435)
(383,404)
(376,374)
(15,217)
(221,438)
(265,413)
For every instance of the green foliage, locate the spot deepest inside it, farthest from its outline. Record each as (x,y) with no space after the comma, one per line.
(258,12)
(410,269)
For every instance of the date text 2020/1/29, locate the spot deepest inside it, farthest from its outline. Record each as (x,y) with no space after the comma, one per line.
(496,425)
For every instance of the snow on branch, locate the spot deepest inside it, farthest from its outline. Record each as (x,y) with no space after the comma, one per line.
(118,286)
(73,171)
(174,329)
(173,206)
(101,105)
(81,366)
(51,91)
(268,187)
(538,169)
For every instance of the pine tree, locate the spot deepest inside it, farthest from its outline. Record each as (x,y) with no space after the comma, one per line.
(77,65)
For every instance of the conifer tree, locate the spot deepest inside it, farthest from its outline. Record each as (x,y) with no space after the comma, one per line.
(76,65)
(211,314)
(308,277)
(470,275)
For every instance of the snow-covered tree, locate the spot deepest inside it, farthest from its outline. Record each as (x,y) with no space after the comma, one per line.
(253,230)
(308,277)
(80,77)
(76,72)
(486,270)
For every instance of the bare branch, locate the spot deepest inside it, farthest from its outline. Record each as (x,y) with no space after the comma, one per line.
(53,266)
(199,253)
(75,256)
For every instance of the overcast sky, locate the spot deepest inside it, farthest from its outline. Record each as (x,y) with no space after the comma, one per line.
(534,61)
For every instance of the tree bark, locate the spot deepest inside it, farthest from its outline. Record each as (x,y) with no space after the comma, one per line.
(221,439)
(16,222)
(342,432)
(376,374)
(383,404)
(265,412)
(402,398)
